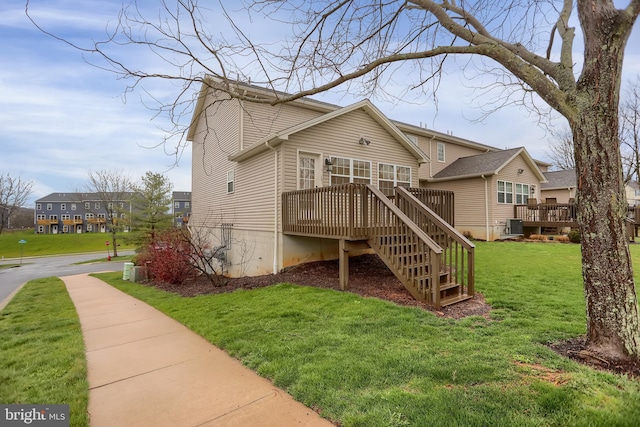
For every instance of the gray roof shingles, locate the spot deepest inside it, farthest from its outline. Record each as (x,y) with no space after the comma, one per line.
(480,164)
(560,179)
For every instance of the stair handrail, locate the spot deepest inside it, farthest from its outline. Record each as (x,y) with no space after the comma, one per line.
(452,232)
(408,221)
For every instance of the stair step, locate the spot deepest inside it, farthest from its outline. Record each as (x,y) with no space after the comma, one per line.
(450,285)
(454,299)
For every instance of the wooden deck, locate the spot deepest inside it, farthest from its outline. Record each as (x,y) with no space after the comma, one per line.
(559,214)
(432,260)
(547,215)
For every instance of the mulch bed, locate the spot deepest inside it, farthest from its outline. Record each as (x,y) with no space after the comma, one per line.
(369,277)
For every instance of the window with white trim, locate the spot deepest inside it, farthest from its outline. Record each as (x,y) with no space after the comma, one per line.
(505,192)
(176,205)
(412,138)
(350,170)
(49,206)
(38,206)
(88,216)
(73,206)
(230,181)
(121,205)
(63,206)
(390,176)
(110,205)
(41,216)
(440,148)
(41,229)
(53,217)
(87,205)
(187,205)
(77,217)
(65,228)
(96,205)
(522,194)
(306,172)
(65,217)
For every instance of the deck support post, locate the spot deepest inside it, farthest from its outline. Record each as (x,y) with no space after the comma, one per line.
(344,264)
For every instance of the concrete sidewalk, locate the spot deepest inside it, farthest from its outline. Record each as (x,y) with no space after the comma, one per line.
(146,369)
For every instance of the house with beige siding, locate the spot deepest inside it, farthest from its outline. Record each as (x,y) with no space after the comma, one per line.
(279,185)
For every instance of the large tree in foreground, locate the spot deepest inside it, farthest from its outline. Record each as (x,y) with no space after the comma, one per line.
(526,45)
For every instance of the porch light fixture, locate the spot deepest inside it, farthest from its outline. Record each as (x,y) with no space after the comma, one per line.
(520,171)
(328,163)
(363,141)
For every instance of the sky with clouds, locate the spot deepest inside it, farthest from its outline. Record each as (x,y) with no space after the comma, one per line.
(61,117)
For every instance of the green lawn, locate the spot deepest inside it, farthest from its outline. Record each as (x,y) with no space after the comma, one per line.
(366,362)
(54,244)
(42,358)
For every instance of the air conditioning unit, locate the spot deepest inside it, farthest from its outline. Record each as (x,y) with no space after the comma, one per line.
(514,226)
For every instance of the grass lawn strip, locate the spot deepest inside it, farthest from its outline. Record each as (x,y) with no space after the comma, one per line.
(43,356)
(366,362)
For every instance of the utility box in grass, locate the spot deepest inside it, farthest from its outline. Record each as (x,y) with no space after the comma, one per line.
(138,274)
(126,273)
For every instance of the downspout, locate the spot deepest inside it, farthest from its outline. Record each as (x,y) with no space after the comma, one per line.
(486,208)
(275,208)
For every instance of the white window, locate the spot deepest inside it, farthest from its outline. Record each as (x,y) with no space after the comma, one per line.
(41,229)
(413,139)
(89,227)
(440,151)
(230,181)
(390,176)
(96,205)
(53,217)
(522,194)
(63,206)
(186,205)
(77,217)
(505,192)
(65,228)
(49,206)
(87,205)
(65,217)
(38,206)
(88,216)
(121,205)
(176,205)
(41,216)
(110,205)
(350,170)
(102,216)
(73,206)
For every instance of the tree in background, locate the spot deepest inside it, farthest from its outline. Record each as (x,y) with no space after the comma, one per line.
(362,45)
(630,132)
(152,207)
(14,192)
(113,189)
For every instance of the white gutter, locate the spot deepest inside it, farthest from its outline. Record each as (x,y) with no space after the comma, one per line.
(275,207)
(486,208)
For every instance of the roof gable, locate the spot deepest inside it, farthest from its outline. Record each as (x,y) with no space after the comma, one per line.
(559,179)
(277,138)
(485,164)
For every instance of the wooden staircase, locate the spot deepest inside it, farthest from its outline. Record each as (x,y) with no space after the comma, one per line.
(423,266)
(429,257)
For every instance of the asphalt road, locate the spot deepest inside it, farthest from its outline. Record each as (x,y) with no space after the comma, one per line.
(58,266)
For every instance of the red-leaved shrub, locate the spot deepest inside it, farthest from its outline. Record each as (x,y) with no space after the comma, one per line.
(167,257)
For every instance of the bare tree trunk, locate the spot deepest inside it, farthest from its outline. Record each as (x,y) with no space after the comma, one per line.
(612,308)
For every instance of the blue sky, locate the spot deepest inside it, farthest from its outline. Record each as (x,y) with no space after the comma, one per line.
(60,117)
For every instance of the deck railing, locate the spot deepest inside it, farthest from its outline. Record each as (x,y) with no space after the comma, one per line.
(338,212)
(457,251)
(439,201)
(406,249)
(547,214)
